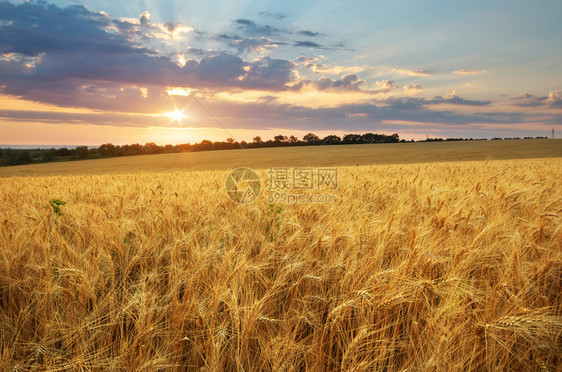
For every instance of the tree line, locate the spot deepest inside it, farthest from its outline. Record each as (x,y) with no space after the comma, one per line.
(27,156)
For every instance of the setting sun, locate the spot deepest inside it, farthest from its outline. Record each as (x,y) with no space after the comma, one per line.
(176,115)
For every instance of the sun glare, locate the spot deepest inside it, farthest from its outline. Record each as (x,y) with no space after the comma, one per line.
(176,115)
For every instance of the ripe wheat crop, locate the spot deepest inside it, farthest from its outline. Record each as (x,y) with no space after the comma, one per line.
(445,266)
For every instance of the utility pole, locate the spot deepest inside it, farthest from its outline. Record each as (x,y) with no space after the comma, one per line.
(552,136)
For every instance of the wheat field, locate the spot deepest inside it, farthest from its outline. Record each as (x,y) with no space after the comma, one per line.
(419,267)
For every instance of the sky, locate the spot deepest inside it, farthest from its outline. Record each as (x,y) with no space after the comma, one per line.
(93,72)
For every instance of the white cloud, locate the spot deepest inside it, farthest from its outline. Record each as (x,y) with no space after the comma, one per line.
(469,71)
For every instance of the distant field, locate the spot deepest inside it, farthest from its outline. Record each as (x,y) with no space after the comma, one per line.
(302,156)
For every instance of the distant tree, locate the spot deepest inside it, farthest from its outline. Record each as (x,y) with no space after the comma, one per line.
(106,150)
(184,147)
(205,145)
(36,154)
(119,151)
(17,157)
(25,157)
(63,151)
(280,138)
(81,152)
(135,149)
(311,138)
(220,145)
(293,139)
(257,139)
(48,155)
(331,140)
(352,139)
(151,148)
(230,140)
(372,138)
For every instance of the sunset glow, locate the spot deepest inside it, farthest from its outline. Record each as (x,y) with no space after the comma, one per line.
(109,71)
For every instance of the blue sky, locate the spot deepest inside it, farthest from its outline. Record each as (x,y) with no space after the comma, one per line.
(106,71)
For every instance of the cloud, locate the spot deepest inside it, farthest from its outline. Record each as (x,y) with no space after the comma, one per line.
(227,37)
(112,66)
(528,100)
(314,45)
(385,86)
(219,69)
(110,118)
(164,30)
(122,66)
(410,103)
(269,73)
(196,52)
(310,33)
(313,63)
(453,98)
(419,72)
(308,59)
(275,15)
(413,88)
(469,71)
(553,100)
(91,49)
(267,112)
(29,31)
(256,31)
(349,82)
(252,28)
(316,65)
(255,45)
(308,44)
(260,115)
